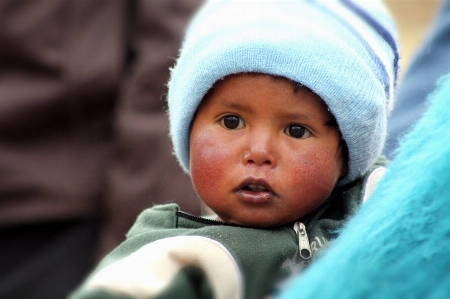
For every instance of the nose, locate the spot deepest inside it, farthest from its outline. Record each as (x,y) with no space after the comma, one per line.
(260,150)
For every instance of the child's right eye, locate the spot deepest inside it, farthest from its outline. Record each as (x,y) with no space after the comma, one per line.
(232,122)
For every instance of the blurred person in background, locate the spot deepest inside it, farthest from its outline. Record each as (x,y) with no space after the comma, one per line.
(83,133)
(430,62)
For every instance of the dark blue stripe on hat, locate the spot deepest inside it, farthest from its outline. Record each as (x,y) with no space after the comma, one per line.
(383,32)
(377,61)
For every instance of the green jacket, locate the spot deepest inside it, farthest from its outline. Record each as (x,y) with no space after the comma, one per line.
(171,254)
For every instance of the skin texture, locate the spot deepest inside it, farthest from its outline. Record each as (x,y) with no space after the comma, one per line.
(262,153)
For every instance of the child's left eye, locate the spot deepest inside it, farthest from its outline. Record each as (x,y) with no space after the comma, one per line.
(297,131)
(232,122)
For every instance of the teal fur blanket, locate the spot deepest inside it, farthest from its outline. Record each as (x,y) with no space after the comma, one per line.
(398,245)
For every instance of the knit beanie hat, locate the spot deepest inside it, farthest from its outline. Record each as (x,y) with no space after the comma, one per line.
(345,51)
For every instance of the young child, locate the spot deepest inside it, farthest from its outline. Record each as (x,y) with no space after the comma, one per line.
(278,113)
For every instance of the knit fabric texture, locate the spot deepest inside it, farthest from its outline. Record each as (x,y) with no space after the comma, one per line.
(398,244)
(345,51)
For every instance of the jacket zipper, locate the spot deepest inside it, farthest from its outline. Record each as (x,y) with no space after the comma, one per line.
(299,228)
(303,242)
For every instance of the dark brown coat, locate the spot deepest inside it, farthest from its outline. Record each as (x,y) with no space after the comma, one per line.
(83,132)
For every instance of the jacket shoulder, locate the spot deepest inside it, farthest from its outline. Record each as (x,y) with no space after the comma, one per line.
(157,217)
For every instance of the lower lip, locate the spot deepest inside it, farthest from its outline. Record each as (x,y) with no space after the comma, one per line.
(255,197)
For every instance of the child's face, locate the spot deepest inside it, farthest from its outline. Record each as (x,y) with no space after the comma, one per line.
(261,154)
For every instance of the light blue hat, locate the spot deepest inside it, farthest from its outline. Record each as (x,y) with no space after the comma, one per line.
(345,51)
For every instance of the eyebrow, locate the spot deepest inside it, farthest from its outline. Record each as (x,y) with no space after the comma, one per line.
(295,116)
(283,115)
(304,117)
(237,106)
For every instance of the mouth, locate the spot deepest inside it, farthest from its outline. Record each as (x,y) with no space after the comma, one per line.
(255,191)
(254,188)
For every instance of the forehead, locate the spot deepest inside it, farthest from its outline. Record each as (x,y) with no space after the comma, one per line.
(269,90)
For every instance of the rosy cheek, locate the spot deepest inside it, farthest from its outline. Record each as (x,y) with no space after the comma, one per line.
(208,161)
(317,173)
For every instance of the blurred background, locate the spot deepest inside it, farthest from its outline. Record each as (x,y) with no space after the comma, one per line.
(424,36)
(414,18)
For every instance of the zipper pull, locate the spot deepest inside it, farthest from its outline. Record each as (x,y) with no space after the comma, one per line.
(303,242)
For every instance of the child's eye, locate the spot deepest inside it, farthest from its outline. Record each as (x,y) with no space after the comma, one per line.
(297,131)
(232,122)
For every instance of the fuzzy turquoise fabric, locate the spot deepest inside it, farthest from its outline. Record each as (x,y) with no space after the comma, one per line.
(398,245)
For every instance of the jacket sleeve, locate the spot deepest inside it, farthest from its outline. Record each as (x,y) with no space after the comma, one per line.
(173,267)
